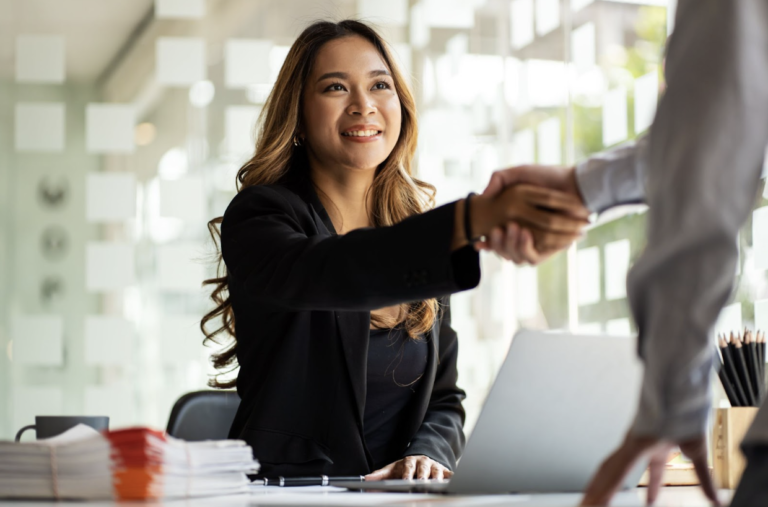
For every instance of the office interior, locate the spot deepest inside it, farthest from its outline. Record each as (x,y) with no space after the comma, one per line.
(123,125)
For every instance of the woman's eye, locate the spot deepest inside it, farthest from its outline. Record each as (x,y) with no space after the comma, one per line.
(335,87)
(381,85)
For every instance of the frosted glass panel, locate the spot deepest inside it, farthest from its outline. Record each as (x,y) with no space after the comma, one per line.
(180,338)
(110,128)
(618,327)
(729,320)
(616,267)
(521,22)
(31,401)
(527,293)
(38,340)
(761,315)
(108,340)
(523,148)
(615,116)
(183,198)
(184,9)
(109,266)
(115,402)
(419,29)
(40,59)
(588,266)
(110,197)
(449,13)
(550,151)
(180,267)
(547,16)
(577,5)
(239,127)
(40,127)
(247,62)
(646,99)
(760,237)
(583,46)
(391,12)
(547,83)
(180,60)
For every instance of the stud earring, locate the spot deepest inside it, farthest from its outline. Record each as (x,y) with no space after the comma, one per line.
(297,141)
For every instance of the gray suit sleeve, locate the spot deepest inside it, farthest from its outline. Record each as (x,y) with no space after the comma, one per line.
(614,177)
(703,164)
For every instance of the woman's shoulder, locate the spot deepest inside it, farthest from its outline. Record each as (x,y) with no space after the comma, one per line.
(265,198)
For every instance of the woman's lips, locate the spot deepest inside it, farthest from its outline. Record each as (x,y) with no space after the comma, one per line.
(362,136)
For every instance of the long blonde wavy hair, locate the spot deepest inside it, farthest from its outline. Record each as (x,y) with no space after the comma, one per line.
(395,194)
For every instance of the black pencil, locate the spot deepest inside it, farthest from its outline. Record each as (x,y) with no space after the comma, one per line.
(741,369)
(750,350)
(725,381)
(730,370)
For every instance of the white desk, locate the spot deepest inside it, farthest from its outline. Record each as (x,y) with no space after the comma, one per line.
(329,496)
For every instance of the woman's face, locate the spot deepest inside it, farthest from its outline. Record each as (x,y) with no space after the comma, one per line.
(351,108)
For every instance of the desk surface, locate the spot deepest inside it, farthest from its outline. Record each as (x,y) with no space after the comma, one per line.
(329,496)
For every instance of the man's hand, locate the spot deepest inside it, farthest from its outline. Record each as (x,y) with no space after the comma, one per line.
(411,467)
(514,242)
(554,177)
(611,474)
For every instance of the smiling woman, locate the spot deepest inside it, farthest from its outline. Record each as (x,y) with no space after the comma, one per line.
(333,269)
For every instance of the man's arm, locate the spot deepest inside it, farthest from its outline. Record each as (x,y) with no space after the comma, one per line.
(614,177)
(705,151)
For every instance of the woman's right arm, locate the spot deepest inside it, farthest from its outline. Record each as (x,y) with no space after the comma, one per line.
(268,254)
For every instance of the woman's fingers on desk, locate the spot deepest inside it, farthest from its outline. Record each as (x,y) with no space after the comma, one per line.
(411,467)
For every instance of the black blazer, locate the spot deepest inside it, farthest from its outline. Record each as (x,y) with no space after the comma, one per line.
(302,297)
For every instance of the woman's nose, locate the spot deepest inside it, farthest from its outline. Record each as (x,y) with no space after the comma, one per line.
(361,104)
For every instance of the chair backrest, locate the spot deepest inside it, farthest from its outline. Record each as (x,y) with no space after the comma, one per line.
(203,415)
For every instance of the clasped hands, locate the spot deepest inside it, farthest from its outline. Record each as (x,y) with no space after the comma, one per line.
(527,213)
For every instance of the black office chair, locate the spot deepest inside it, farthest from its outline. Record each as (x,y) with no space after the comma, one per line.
(203,415)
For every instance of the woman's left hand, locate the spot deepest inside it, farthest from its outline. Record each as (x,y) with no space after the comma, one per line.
(411,467)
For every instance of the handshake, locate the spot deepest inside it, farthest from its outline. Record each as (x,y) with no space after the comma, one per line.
(527,213)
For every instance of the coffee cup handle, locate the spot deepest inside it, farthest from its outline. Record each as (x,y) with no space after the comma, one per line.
(22,430)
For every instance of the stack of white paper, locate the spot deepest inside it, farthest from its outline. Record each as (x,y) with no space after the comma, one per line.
(75,464)
(128,464)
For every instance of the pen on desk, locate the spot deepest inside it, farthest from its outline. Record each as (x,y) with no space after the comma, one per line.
(321,480)
(731,374)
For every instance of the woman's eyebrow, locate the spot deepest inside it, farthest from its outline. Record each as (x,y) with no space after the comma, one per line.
(344,75)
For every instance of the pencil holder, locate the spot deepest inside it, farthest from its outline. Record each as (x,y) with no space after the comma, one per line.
(731,424)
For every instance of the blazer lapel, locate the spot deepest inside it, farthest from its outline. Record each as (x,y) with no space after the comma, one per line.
(353,331)
(432,359)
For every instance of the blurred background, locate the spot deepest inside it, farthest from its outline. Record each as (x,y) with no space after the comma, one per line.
(123,124)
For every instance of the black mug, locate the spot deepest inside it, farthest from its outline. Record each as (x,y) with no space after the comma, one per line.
(47,426)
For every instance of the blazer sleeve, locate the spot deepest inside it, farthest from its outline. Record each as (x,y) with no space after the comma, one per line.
(271,257)
(441,435)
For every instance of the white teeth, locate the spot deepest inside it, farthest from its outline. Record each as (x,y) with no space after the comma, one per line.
(361,133)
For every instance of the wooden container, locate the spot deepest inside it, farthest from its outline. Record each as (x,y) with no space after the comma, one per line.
(731,424)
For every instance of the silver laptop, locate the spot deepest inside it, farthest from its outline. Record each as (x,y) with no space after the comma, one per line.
(560,404)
